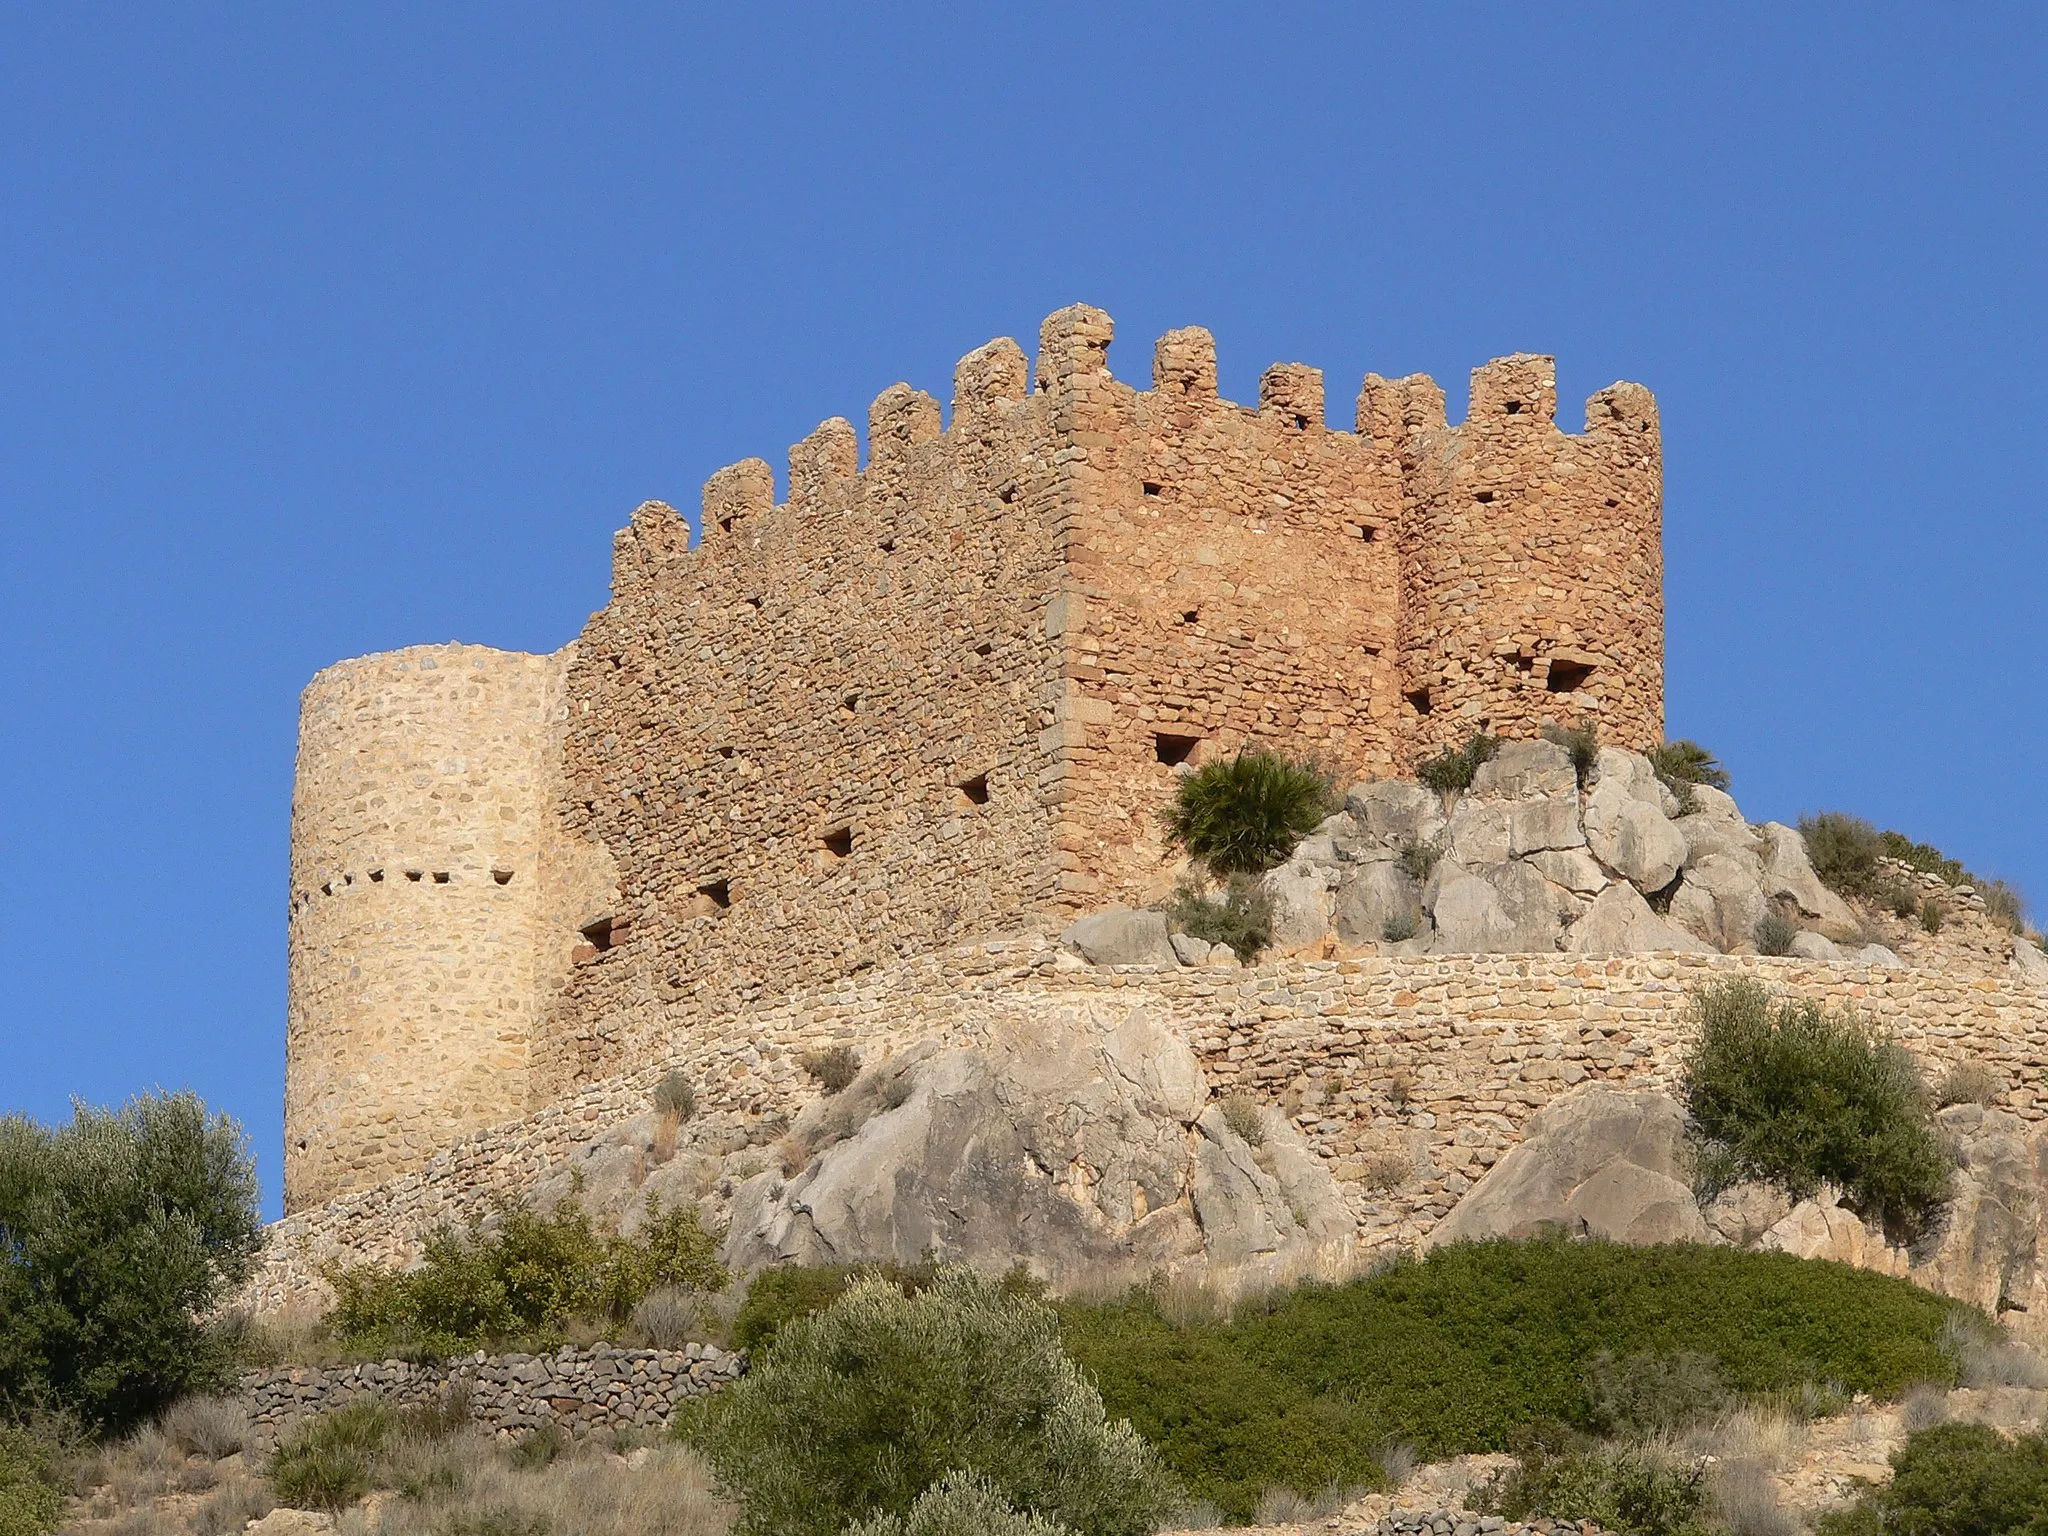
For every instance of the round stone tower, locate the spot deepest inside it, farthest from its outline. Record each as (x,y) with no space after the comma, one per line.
(419,818)
(1532,568)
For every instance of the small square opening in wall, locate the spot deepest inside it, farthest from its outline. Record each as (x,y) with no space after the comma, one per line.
(725,751)
(725,525)
(415,875)
(986,648)
(1191,615)
(712,897)
(1418,700)
(1568,676)
(598,935)
(1173,750)
(850,703)
(1484,498)
(441,877)
(1152,487)
(1514,407)
(971,792)
(838,843)
(888,546)
(755,603)
(376,877)
(502,876)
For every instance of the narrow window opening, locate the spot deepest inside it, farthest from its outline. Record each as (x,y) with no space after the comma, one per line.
(1152,487)
(1484,497)
(1365,531)
(888,546)
(850,703)
(1370,648)
(327,888)
(839,842)
(598,935)
(1007,494)
(725,751)
(348,879)
(302,1143)
(440,877)
(1418,700)
(1613,501)
(986,648)
(376,877)
(754,603)
(1191,616)
(1514,407)
(414,874)
(725,525)
(712,897)
(502,876)
(1568,676)
(1523,663)
(1174,750)
(1301,423)
(973,791)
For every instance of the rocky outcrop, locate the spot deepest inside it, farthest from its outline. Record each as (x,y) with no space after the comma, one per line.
(1599,1162)
(1086,1136)
(1121,936)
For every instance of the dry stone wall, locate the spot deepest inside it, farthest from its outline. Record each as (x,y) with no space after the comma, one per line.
(578,1390)
(1408,1076)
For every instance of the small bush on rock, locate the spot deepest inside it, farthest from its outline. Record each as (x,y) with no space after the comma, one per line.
(1925,857)
(1774,934)
(862,1407)
(2003,904)
(1454,768)
(1843,850)
(1930,916)
(326,1462)
(1955,1480)
(674,1098)
(526,1282)
(1247,1117)
(1418,859)
(1631,1490)
(1905,901)
(1241,918)
(1969,1082)
(1581,743)
(833,1068)
(1688,763)
(1801,1097)
(1245,814)
(30,1504)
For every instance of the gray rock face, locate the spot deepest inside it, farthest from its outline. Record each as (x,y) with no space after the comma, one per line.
(1789,873)
(1815,946)
(1395,811)
(1526,770)
(1304,899)
(1375,899)
(1572,868)
(1743,1213)
(1631,835)
(1631,773)
(1189,949)
(1620,922)
(1599,1162)
(2028,963)
(1081,1136)
(1715,826)
(1499,909)
(1722,899)
(1121,936)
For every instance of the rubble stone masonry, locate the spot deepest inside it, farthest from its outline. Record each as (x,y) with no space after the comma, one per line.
(939,694)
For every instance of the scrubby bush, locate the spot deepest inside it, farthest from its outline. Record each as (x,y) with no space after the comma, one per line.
(1645,1394)
(1247,1117)
(1454,767)
(524,1283)
(29,1501)
(1904,900)
(674,1098)
(1581,743)
(212,1427)
(1242,917)
(1243,815)
(325,1462)
(1687,763)
(119,1232)
(1418,859)
(834,1067)
(1968,1082)
(1955,1480)
(1401,926)
(1452,1352)
(1924,857)
(860,1408)
(960,1504)
(1843,850)
(1800,1097)
(1775,933)
(1930,916)
(1628,1489)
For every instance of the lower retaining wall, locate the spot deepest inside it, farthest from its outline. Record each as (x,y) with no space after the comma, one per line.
(1432,1062)
(580,1390)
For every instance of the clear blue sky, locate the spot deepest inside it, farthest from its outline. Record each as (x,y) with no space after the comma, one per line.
(325,330)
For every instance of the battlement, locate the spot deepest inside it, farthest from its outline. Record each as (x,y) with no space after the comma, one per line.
(941,686)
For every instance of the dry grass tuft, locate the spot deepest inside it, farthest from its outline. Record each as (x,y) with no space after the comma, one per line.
(212,1427)
(589,1492)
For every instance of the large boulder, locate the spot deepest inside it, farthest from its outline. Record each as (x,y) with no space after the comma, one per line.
(1496,909)
(1303,893)
(1722,899)
(1395,811)
(1526,770)
(1599,1162)
(1376,900)
(1620,922)
(1121,936)
(1715,825)
(1078,1136)
(2029,964)
(1630,833)
(1788,873)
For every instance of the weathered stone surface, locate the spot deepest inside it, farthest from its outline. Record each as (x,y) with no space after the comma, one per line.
(1599,1162)
(1631,774)
(1497,909)
(1715,825)
(1480,831)
(1065,1144)
(1376,899)
(1526,770)
(1396,811)
(1303,892)
(1121,936)
(1189,949)
(284,1521)
(2029,963)
(1874,954)
(1572,868)
(1620,922)
(1721,899)
(1816,946)
(1541,825)
(1631,836)
(1743,1213)
(1789,873)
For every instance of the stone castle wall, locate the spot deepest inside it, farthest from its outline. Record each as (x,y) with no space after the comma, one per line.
(1429,1065)
(942,693)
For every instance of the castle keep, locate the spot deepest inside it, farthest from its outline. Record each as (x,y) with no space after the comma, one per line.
(938,695)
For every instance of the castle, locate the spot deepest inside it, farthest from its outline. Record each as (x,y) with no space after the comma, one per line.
(940,695)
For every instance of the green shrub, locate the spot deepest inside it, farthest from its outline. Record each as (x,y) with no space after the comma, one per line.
(1904,900)
(1581,743)
(1930,916)
(1843,850)
(1451,1353)
(525,1283)
(119,1232)
(860,1408)
(1800,1096)
(1775,933)
(1454,767)
(674,1098)
(1925,857)
(1241,918)
(1646,1394)
(1418,859)
(1243,815)
(1246,1116)
(30,1504)
(1627,1489)
(961,1504)
(2003,904)
(1401,926)
(1687,763)
(1955,1480)
(326,1462)
(834,1067)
